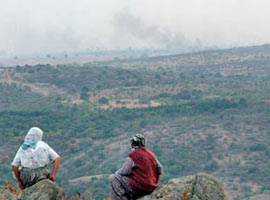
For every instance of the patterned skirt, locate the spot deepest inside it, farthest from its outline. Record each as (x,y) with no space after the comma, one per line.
(121,189)
(30,177)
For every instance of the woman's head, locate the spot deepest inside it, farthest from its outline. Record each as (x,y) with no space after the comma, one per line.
(34,134)
(138,140)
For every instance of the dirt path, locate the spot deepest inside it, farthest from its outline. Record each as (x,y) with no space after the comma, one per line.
(87,178)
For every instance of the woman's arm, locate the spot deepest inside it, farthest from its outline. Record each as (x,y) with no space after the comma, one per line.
(126,168)
(55,168)
(158,177)
(17,175)
(53,156)
(159,170)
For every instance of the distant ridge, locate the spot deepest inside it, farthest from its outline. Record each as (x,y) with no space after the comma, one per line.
(233,50)
(112,57)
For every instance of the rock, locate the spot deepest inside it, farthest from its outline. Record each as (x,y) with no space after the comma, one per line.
(207,187)
(198,187)
(43,190)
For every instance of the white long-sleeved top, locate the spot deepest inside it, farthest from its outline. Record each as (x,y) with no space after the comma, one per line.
(41,156)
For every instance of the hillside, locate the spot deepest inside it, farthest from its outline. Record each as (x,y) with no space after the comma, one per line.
(200,112)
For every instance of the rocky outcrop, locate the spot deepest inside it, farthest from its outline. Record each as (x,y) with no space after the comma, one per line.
(198,187)
(43,190)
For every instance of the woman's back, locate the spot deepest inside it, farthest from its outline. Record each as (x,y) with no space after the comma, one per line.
(35,158)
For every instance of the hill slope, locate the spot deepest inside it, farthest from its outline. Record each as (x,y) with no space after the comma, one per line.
(206,111)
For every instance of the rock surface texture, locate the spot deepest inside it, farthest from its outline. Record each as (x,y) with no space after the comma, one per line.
(198,187)
(43,190)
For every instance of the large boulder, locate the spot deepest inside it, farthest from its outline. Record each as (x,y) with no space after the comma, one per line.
(43,190)
(197,187)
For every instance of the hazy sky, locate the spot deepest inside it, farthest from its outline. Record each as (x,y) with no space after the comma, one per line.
(29,26)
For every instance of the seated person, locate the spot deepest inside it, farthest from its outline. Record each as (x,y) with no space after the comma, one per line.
(139,174)
(31,163)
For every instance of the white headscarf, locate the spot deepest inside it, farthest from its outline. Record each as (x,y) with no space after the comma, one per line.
(33,136)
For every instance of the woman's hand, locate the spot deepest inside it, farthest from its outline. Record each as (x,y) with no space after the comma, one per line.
(20,185)
(55,169)
(52,177)
(17,175)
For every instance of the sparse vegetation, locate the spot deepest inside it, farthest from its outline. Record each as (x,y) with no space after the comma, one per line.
(209,115)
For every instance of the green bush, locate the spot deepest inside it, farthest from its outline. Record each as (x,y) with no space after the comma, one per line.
(257,147)
(103,100)
(211,165)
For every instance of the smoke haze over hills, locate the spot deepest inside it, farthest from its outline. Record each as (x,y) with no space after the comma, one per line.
(66,25)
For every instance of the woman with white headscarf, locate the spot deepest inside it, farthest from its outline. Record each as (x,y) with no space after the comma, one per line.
(31,163)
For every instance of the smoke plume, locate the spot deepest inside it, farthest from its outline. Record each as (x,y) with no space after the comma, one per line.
(130,27)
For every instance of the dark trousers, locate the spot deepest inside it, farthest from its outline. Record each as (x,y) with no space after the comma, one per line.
(29,176)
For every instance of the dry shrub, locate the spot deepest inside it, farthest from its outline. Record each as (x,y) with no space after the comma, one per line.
(86,196)
(12,189)
(77,197)
(2,197)
(186,195)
